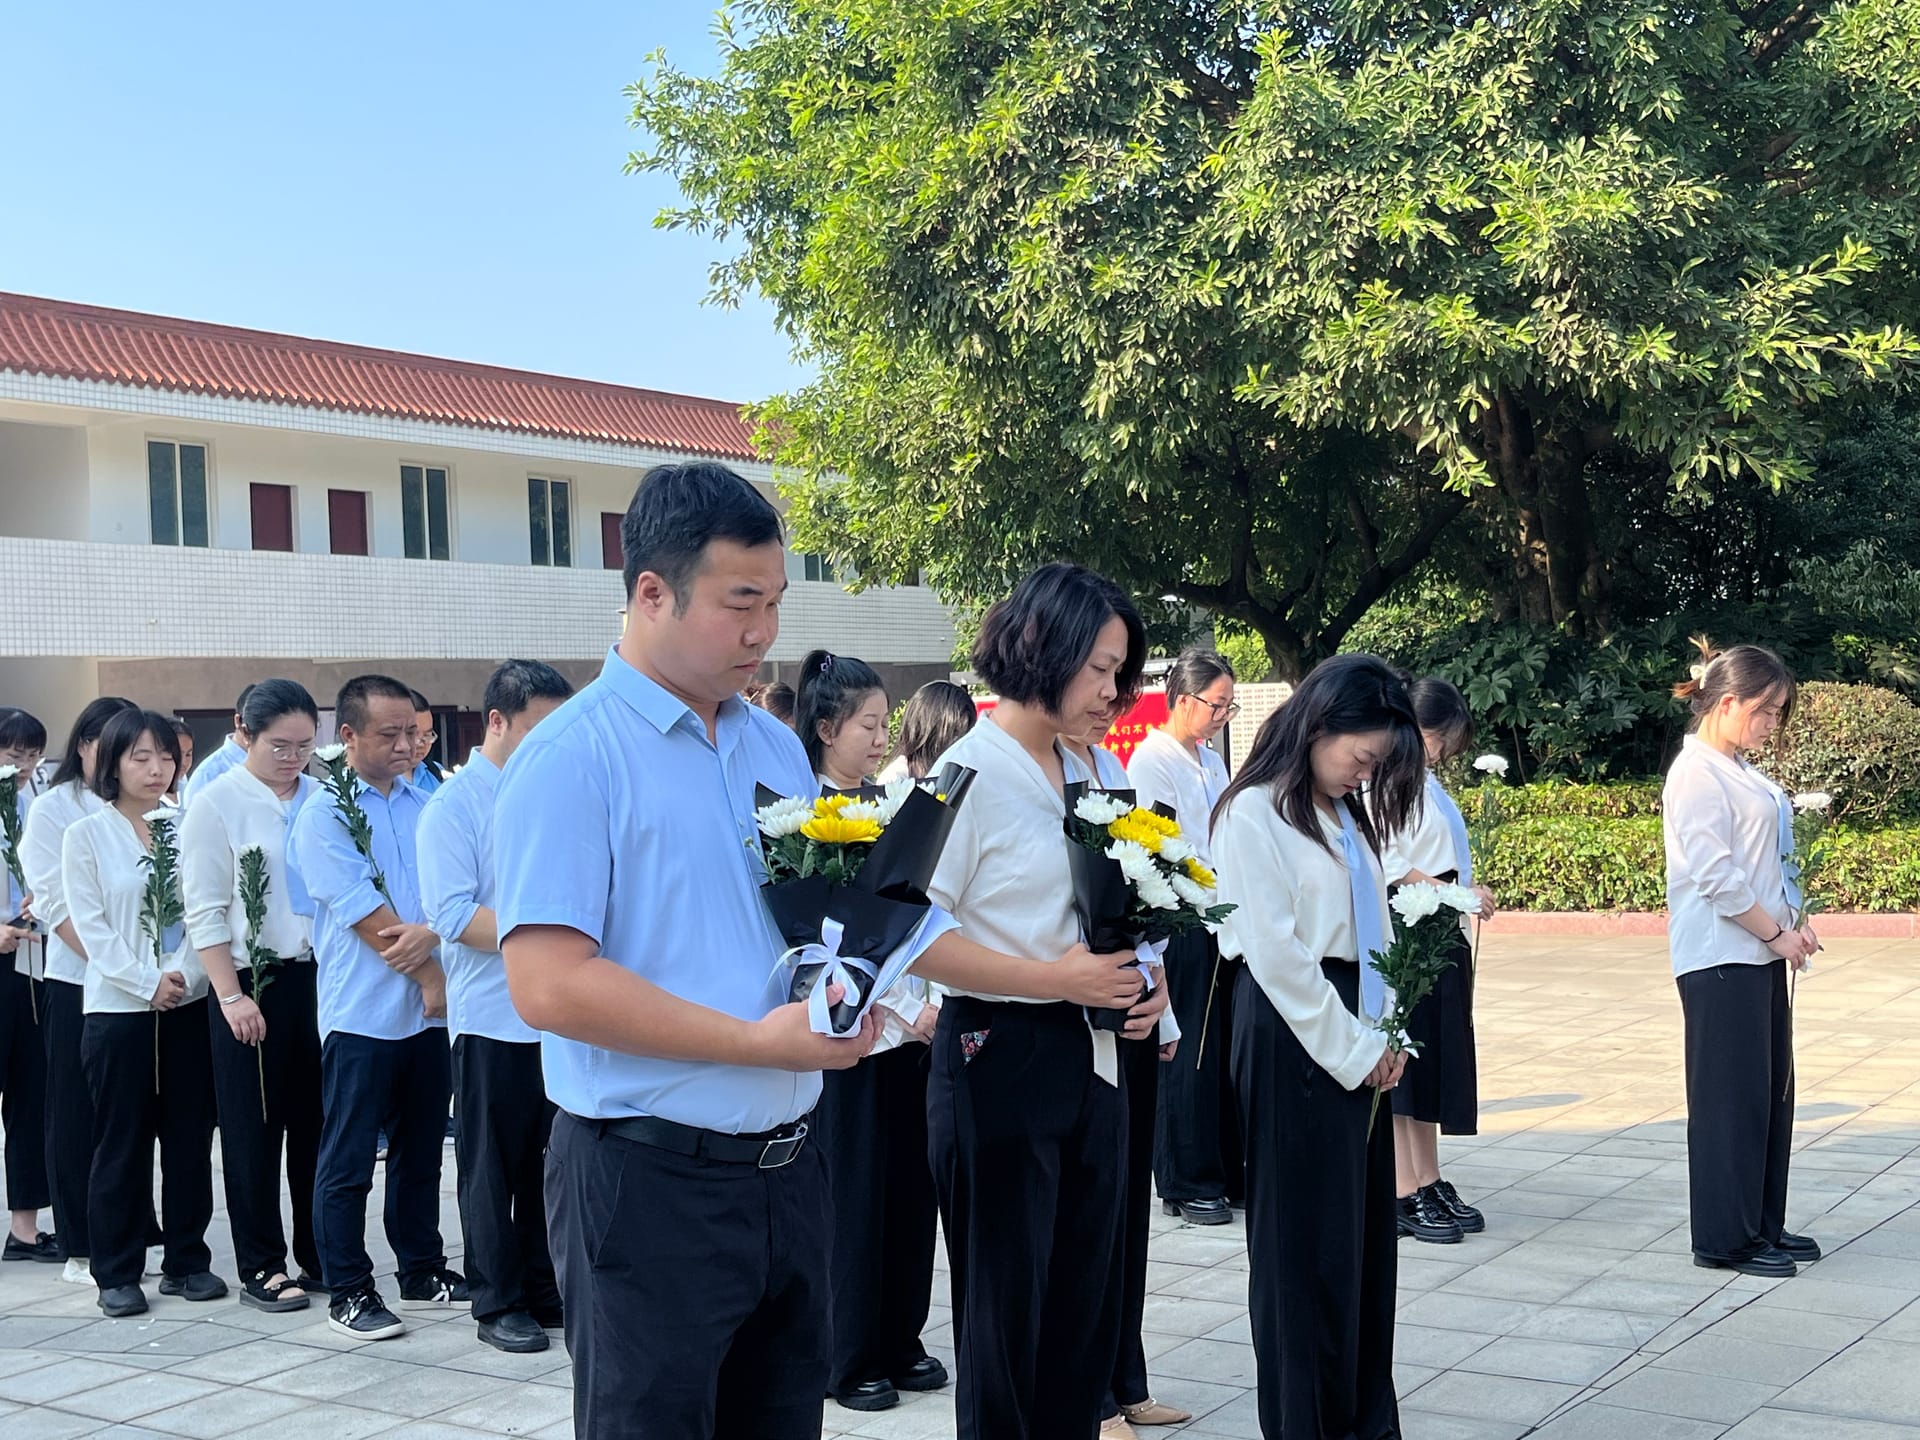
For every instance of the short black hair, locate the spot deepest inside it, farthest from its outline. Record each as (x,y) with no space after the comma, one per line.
(420,702)
(240,705)
(831,688)
(939,713)
(679,510)
(20,731)
(777,700)
(270,699)
(1033,643)
(122,733)
(91,722)
(1440,707)
(350,705)
(516,684)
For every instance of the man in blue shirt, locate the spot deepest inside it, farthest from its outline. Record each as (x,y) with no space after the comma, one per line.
(689,1215)
(505,1116)
(383,1039)
(232,752)
(425,775)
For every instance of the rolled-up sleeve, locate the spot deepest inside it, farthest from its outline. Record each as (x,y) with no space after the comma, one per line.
(449,863)
(1256,878)
(1702,823)
(109,956)
(331,870)
(206,876)
(558,870)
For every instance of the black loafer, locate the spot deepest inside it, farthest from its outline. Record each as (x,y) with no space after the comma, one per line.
(1769,1261)
(1213,1211)
(123,1300)
(1470,1220)
(43,1248)
(204,1286)
(926,1373)
(868,1395)
(515,1332)
(1801,1249)
(1422,1216)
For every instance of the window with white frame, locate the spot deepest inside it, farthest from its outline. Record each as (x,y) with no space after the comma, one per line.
(424,523)
(177,499)
(549,521)
(818,567)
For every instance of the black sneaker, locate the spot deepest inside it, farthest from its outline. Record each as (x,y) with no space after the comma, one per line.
(1470,1220)
(443,1287)
(362,1315)
(515,1332)
(1422,1216)
(204,1286)
(1768,1261)
(43,1248)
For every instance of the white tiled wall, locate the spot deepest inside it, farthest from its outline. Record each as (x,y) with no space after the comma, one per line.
(84,599)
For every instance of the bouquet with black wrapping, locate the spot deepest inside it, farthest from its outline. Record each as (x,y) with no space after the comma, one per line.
(847,877)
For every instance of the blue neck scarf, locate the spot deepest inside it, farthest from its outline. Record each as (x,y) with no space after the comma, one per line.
(1789,872)
(1456,825)
(1366,915)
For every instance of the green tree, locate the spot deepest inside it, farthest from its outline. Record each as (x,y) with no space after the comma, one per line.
(1245,302)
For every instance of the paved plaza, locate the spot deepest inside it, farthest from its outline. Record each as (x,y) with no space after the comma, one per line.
(1577,1315)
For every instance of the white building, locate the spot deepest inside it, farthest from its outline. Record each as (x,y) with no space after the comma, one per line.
(186,508)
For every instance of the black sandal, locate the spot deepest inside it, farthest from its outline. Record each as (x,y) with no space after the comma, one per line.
(263,1292)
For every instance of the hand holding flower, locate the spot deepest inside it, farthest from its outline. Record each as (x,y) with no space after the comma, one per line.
(244,1019)
(1100,982)
(171,990)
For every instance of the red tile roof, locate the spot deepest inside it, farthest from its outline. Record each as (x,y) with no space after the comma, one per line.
(87,342)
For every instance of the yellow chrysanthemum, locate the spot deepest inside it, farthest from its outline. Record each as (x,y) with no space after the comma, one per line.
(832,830)
(1161,824)
(1200,875)
(1130,827)
(831,804)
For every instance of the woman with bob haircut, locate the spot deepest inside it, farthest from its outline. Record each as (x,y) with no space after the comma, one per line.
(1025,1113)
(1333,773)
(1731,907)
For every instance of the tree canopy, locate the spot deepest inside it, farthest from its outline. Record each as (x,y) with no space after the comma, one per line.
(1251,304)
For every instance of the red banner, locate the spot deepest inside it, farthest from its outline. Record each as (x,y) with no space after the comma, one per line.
(1148,713)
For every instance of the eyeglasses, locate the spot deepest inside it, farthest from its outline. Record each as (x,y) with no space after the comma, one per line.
(1220,712)
(280,750)
(427,737)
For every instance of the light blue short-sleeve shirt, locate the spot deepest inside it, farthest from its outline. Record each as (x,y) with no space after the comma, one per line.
(456,882)
(618,818)
(228,756)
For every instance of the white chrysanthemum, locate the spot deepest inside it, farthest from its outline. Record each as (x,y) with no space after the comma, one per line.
(9,772)
(327,754)
(1177,849)
(1193,892)
(862,810)
(1134,861)
(1098,808)
(1157,891)
(783,817)
(1818,801)
(1460,898)
(162,815)
(1414,903)
(1492,765)
(896,796)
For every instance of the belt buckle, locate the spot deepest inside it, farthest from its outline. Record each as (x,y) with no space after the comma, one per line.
(785,1150)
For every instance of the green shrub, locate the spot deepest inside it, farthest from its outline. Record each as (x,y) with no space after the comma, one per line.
(1859,743)
(1615,800)
(1579,863)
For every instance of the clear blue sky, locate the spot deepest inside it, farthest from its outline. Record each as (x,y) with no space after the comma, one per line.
(417,174)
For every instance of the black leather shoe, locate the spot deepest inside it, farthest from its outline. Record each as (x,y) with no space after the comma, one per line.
(515,1332)
(868,1395)
(123,1300)
(926,1373)
(1213,1211)
(1801,1249)
(1422,1216)
(1470,1220)
(43,1248)
(204,1286)
(1769,1261)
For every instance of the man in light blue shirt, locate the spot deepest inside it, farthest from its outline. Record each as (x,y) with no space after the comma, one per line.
(425,775)
(688,1214)
(505,1116)
(231,753)
(383,1042)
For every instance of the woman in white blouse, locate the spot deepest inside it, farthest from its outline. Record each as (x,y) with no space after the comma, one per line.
(1028,1124)
(1196,1140)
(1731,930)
(1332,774)
(69,797)
(937,715)
(1441,1087)
(144,1046)
(265,1040)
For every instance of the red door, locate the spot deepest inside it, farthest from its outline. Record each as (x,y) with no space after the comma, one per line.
(347,522)
(272,516)
(611,554)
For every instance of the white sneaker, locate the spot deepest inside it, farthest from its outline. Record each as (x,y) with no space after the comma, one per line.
(156,1260)
(78,1272)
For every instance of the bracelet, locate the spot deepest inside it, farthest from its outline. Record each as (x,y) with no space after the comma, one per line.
(1768,941)
(235,998)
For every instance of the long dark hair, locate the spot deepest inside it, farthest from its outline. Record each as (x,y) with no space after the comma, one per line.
(87,728)
(832,687)
(1440,707)
(939,713)
(1347,695)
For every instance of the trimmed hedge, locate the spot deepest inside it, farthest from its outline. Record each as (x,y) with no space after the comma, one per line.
(1615,800)
(1561,862)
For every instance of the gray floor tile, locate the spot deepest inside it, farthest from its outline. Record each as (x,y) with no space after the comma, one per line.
(1873,1380)
(1696,1397)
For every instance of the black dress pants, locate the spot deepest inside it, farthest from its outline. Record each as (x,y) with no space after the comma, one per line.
(500,1150)
(1196,1134)
(23,1086)
(1739,1051)
(69,1111)
(1320,1230)
(872,1128)
(1140,1073)
(151,1075)
(367,1085)
(269,1100)
(1028,1146)
(696,1289)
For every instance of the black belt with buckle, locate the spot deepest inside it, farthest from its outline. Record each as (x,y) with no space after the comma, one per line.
(770,1150)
